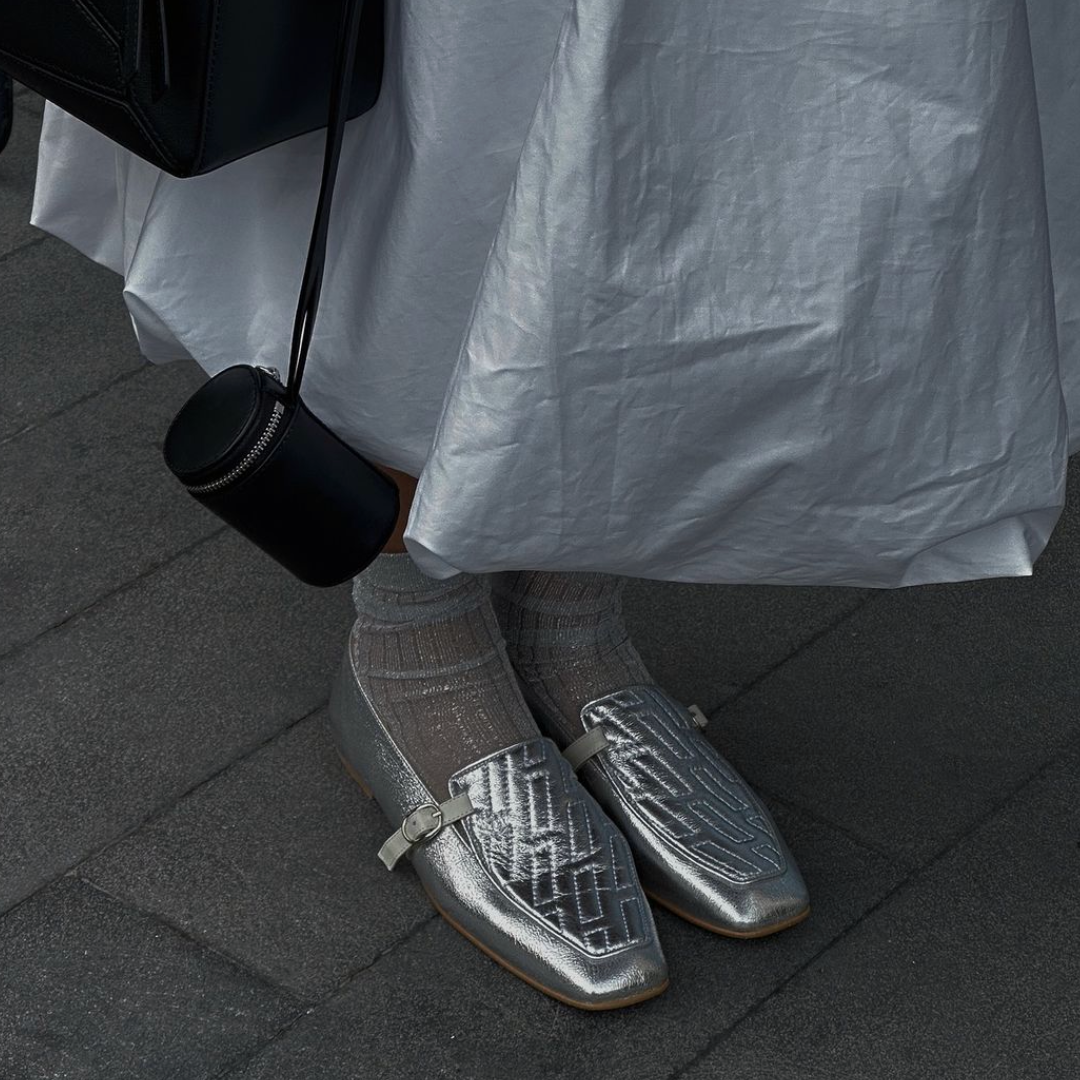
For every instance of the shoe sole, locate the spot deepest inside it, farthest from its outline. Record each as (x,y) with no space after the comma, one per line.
(588,1006)
(744,935)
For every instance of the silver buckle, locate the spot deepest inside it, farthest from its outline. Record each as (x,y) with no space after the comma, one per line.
(427,819)
(421,824)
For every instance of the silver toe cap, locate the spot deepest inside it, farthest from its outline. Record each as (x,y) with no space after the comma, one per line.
(541,879)
(704,843)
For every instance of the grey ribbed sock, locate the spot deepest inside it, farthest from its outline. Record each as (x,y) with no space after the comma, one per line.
(566,639)
(431,658)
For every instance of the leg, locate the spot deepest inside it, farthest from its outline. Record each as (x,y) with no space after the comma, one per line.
(566,639)
(427,712)
(406,486)
(705,844)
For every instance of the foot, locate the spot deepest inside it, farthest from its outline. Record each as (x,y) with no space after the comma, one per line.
(509,846)
(705,845)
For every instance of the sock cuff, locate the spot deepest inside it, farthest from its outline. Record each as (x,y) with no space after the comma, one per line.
(559,596)
(396,571)
(554,594)
(394,590)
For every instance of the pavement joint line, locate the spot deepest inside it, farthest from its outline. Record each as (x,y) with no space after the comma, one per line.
(245,1060)
(11,252)
(41,421)
(18,649)
(799,649)
(76,870)
(350,977)
(160,811)
(901,886)
(891,858)
(233,961)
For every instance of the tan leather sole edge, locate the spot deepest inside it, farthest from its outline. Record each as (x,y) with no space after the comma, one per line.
(360,782)
(589,1006)
(743,935)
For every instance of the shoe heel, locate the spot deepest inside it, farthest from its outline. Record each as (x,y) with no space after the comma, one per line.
(360,782)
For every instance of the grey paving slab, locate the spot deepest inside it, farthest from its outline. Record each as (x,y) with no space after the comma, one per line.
(972,971)
(127,706)
(702,642)
(274,862)
(90,990)
(924,709)
(18,167)
(32,102)
(64,331)
(437,1007)
(88,503)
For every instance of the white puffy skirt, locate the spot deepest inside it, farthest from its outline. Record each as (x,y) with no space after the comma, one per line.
(716,291)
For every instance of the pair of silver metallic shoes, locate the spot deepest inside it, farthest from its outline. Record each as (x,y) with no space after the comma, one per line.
(549,874)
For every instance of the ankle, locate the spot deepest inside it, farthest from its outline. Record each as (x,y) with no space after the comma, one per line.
(430,658)
(406,486)
(559,619)
(393,591)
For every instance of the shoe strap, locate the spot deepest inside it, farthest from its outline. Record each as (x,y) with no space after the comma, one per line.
(596,741)
(699,718)
(588,745)
(422,824)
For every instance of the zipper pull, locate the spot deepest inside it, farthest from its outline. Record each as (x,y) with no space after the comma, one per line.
(271,371)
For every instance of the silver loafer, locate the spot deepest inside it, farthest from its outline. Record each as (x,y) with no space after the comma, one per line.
(705,845)
(520,859)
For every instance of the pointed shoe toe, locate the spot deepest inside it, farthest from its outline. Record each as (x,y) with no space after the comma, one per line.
(752,910)
(705,845)
(520,859)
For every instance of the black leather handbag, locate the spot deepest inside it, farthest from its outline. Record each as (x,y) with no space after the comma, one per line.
(244,445)
(190,85)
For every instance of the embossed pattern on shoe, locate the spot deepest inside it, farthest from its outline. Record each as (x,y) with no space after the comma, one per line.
(551,849)
(675,778)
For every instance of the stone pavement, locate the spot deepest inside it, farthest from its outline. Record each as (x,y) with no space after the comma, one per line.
(189,886)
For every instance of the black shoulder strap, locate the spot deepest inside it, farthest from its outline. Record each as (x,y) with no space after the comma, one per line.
(340,86)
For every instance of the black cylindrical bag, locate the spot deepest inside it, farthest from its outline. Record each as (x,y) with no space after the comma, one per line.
(271,469)
(247,447)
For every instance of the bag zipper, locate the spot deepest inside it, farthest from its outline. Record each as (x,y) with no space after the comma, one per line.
(248,459)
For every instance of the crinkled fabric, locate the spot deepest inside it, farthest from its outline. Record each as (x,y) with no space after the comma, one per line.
(717,291)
